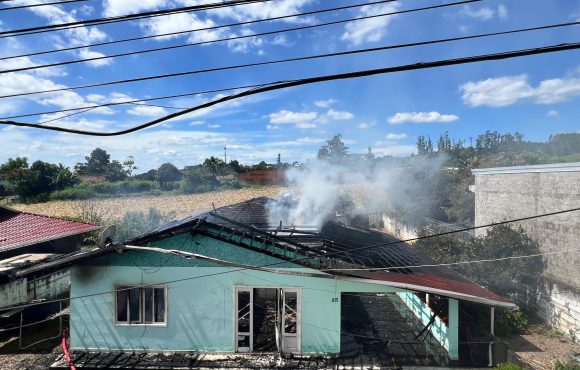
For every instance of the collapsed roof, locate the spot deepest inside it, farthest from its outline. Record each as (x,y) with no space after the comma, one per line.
(345,252)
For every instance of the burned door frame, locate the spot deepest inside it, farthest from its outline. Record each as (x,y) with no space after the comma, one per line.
(284,289)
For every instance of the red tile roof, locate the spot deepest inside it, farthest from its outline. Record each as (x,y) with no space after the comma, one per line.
(20,229)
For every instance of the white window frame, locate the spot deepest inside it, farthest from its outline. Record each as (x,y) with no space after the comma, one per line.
(141,288)
(250,288)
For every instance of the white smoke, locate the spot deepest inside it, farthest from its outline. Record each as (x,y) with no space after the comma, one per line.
(321,189)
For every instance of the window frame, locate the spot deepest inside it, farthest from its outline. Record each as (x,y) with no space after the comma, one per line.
(117,287)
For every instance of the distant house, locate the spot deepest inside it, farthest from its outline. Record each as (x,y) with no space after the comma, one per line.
(28,239)
(228,281)
(506,193)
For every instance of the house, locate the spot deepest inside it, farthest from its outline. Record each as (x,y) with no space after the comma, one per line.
(506,193)
(27,240)
(228,281)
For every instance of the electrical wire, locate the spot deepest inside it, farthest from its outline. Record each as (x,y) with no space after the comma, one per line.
(41,4)
(505,222)
(206,29)
(456,263)
(203,92)
(227,39)
(392,46)
(316,79)
(123,18)
(207,70)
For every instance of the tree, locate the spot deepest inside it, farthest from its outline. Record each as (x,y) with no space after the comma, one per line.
(96,164)
(115,171)
(38,179)
(334,150)
(167,173)
(214,165)
(279,160)
(502,277)
(14,171)
(129,165)
(199,179)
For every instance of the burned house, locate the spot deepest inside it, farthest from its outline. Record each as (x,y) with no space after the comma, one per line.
(27,240)
(228,281)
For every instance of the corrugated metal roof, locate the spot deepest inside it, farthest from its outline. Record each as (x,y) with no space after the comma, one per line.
(21,229)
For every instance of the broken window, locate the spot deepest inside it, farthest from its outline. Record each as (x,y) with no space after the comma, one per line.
(140,305)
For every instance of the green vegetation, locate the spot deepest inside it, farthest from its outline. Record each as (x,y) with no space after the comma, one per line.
(503,277)
(510,322)
(569,365)
(508,366)
(138,223)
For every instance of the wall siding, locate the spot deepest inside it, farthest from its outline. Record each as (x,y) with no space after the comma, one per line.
(200,310)
(507,196)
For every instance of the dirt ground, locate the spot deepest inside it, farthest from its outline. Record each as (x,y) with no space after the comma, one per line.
(540,348)
(179,205)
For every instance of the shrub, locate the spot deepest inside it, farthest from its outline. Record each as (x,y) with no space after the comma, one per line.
(569,365)
(511,322)
(136,223)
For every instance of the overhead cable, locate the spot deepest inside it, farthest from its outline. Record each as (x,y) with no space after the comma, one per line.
(219,69)
(41,4)
(310,80)
(124,18)
(212,28)
(227,39)
(134,101)
(505,222)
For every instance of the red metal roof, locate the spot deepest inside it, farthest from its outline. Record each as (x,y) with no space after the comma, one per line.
(447,286)
(20,229)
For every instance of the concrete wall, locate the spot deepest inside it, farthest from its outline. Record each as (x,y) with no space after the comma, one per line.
(200,304)
(508,193)
(26,290)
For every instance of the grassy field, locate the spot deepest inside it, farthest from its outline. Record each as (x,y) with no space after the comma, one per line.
(179,205)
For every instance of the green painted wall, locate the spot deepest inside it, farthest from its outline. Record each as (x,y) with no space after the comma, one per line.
(446,335)
(200,307)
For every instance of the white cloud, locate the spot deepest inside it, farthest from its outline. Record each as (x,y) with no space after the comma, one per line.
(299,118)
(553,114)
(147,111)
(338,115)
(421,117)
(73,36)
(502,12)
(112,8)
(262,10)
(486,13)
(325,103)
(364,125)
(483,14)
(508,90)
(393,136)
(87,54)
(370,30)
(395,150)
(214,126)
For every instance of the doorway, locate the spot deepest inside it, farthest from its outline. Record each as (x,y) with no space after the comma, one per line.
(267,319)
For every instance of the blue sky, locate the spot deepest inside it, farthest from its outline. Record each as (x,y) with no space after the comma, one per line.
(537,96)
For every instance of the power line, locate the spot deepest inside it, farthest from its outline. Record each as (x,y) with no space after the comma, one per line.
(123,18)
(41,4)
(139,100)
(505,222)
(224,68)
(217,27)
(172,47)
(310,80)
(240,87)
(456,263)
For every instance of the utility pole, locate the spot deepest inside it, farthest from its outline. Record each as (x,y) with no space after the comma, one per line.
(225,154)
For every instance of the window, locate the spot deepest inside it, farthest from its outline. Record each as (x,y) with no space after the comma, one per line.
(136,305)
